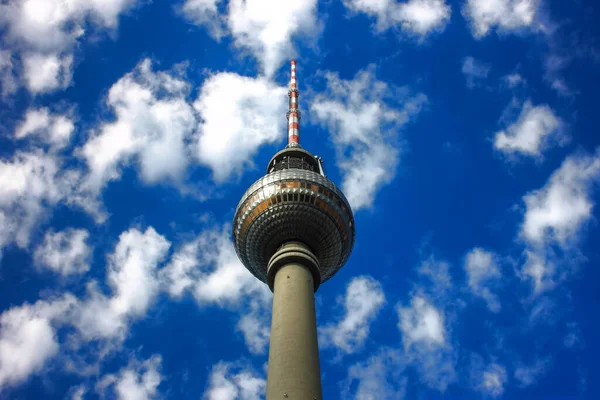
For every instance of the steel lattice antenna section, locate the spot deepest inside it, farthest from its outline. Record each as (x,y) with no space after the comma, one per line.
(293,229)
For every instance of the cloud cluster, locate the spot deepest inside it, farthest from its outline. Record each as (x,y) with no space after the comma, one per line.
(415,17)
(364,129)
(265,28)
(363,300)
(207,267)
(45,34)
(535,130)
(29,333)
(426,343)
(504,15)
(160,131)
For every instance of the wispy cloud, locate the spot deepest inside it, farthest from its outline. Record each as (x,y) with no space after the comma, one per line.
(536,129)
(503,15)
(475,71)
(363,300)
(554,217)
(483,273)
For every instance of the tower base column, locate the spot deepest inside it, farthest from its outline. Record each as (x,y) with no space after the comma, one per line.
(293,371)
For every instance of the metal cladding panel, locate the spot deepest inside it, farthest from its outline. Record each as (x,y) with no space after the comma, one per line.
(293,204)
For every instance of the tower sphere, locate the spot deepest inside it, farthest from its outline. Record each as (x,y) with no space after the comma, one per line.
(293,202)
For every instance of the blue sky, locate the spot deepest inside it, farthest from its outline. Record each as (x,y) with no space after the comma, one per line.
(464,134)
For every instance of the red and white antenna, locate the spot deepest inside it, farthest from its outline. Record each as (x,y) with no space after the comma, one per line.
(293,114)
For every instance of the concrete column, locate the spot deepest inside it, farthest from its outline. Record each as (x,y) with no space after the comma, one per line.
(294,371)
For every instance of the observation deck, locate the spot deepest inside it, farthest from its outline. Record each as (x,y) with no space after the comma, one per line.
(293,202)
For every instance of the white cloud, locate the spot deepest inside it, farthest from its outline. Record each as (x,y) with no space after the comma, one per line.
(78,392)
(540,269)
(28,339)
(528,375)
(438,280)
(379,377)
(556,212)
(46,73)
(137,381)
(474,71)
(536,129)
(238,115)
(423,16)
(483,271)
(29,185)
(417,17)
(152,123)
(573,339)
(514,80)
(364,298)
(159,130)
(208,268)
(266,28)
(32,183)
(205,12)
(55,25)
(364,130)
(55,129)
(492,380)
(132,276)
(46,32)
(421,323)
(504,15)
(66,252)
(8,78)
(231,382)
(425,341)
(555,215)
(254,325)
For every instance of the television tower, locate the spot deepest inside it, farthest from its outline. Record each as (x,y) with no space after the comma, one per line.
(293,229)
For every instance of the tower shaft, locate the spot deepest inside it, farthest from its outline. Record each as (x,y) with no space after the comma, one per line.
(293,370)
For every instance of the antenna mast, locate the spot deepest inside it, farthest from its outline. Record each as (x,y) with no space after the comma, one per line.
(293,114)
